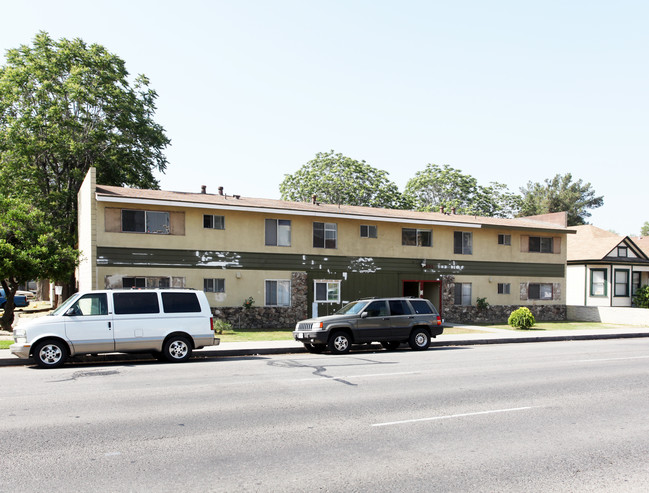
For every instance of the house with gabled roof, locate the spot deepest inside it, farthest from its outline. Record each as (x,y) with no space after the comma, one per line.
(288,260)
(604,269)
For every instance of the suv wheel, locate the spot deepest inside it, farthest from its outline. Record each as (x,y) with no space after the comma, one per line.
(315,348)
(339,343)
(419,339)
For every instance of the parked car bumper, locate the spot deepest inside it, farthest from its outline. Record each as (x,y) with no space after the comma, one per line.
(20,349)
(311,336)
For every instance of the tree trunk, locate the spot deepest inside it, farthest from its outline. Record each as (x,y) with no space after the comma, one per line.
(43,290)
(7,319)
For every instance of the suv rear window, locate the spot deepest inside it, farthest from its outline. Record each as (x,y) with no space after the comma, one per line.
(421,307)
(180,303)
(136,302)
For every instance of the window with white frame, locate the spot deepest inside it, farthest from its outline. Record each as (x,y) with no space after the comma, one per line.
(211,221)
(417,237)
(504,239)
(326,291)
(463,293)
(462,242)
(151,222)
(278,232)
(214,285)
(325,235)
(368,231)
(621,282)
(504,288)
(598,282)
(278,293)
(539,291)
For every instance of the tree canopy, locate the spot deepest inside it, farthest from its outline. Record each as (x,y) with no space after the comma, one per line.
(644,230)
(560,194)
(29,249)
(66,106)
(443,186)
(337,179)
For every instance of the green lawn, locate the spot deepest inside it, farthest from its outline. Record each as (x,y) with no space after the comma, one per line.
(6,344)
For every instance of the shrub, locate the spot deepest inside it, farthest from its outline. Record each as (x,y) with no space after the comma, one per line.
(221,326)
(521,318)
(641,297)
(482,303)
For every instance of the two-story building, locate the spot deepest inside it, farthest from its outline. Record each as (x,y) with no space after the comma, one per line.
(293,259)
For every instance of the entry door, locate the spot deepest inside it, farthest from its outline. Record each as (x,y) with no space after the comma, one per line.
(89,325)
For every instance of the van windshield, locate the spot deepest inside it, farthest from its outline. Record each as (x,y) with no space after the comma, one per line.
(352,308)
(63,307)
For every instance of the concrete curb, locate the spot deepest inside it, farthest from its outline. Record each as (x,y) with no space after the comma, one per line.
(291,347)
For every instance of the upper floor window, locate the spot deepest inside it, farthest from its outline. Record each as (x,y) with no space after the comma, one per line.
(326,291)
(538,291)
(463,243)
(504,239)
(153,222)
(541,244)
(622,251)
(325,235)
(416,237)
(278,232)
(211,221)
(368,231)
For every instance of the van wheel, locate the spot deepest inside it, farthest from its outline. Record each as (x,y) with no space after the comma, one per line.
(50,354)
(419,339)
(177,349)
(339,343)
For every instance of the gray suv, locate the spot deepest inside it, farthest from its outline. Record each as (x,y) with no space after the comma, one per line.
(389,321)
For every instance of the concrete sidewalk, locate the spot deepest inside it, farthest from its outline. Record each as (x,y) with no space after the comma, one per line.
(480,335)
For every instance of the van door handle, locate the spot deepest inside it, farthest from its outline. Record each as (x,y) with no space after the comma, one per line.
(109,326)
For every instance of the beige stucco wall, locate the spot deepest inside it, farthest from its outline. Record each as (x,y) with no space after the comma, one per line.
(487,287)
(244,231)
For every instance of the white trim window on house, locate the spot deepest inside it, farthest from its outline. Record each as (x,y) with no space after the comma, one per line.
(326,291)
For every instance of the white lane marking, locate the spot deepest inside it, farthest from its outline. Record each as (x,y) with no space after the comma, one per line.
(610,359)
(434,418)
(349,377)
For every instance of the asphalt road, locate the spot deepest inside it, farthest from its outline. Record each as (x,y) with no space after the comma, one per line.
(557,416)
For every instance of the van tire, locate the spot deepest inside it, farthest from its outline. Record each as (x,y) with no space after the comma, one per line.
(177,349)
(50,354)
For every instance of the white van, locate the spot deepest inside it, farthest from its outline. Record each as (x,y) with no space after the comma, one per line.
(169,323)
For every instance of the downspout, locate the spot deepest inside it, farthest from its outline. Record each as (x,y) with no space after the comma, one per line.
(585,285)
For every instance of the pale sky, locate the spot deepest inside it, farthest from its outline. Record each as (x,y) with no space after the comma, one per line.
(507,91)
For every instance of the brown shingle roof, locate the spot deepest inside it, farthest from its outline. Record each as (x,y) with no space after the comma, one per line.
(550,222)
(593,243)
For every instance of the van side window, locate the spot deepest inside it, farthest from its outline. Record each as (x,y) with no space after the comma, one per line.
(421,306)
(180,303)
(136,302)
(90,304)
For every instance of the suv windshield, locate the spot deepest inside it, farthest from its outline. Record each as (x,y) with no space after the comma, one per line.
(353,308)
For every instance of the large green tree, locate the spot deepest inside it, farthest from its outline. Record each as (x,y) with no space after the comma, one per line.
(644,230)
(65,106)
(29,249)
(443,186)
(337,179)
(560,194)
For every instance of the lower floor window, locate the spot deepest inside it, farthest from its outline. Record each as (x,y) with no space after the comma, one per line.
(278,293)
(462,293)
(504,288)
(326,291)
(539,291)
(621,282)
(146,282)
(214,285)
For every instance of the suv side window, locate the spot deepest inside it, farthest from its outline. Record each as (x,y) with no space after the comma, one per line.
(399,307)
(180,303)
(421,307)
(132,303)
(377,309)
